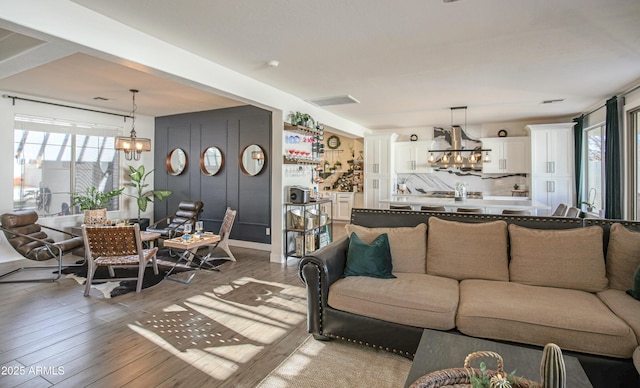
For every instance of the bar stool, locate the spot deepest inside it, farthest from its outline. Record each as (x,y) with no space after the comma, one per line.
(397,207)
(433,209)
(560,211)
(516,212)
(468,210)
(572,212)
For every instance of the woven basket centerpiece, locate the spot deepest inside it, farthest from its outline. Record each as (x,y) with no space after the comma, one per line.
(463,377)
(95,217)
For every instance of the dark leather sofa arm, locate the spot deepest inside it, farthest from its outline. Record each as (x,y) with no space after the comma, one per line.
(318,272)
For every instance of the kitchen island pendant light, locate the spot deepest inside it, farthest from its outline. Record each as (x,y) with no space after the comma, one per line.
(133,146)
(456,154)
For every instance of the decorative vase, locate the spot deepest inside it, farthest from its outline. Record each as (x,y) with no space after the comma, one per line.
(95,217)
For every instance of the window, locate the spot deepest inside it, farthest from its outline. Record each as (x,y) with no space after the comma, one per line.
(594,155)
(634,121)
(54,158)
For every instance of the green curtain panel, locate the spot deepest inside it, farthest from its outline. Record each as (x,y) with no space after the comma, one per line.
(613,162)
(577,135)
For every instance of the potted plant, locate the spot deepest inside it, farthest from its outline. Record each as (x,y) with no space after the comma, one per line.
(94,203)
(138,178)
(303,119)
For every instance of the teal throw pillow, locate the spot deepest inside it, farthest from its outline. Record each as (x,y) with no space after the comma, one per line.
(635,288)
(372,260)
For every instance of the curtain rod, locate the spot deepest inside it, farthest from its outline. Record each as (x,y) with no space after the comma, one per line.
(14,98)
(620,95)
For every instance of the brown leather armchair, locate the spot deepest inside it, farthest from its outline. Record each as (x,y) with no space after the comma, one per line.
(188,213)
(29,239)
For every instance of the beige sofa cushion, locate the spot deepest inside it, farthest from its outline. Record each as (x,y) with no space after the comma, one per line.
(572,319)
(624,306)
(408,245)
(571,258)
(623,257)
(410,299)
(462,250)
(636,359)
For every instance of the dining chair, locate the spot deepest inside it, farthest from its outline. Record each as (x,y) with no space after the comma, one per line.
(31,240)
(225,231)
(468,210)
(433,209)
(560,211)
(573,212)
(116,246)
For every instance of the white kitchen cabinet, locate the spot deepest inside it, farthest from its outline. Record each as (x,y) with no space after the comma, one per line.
(552,149)
(552,170)
(378,168)
(552,191)
(379,153)
(411,157)
(508,155)
(343,205)
(376,189)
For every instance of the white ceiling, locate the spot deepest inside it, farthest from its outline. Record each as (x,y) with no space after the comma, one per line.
(407,61)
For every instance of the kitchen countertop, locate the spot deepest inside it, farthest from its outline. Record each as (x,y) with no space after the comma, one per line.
(417,201)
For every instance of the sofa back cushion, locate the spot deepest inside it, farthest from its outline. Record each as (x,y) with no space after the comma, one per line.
(623,257)
(408,245)
(558,258)
(460,250)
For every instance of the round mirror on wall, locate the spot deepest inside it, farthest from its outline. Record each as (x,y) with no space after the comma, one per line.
(211,161)
(252,160)
(177,161)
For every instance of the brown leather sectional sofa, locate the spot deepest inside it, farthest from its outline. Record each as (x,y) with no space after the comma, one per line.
(523,279)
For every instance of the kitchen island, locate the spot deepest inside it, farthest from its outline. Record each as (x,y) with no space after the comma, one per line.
(488,206)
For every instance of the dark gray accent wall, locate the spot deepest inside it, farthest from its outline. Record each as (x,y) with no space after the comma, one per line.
(231,130)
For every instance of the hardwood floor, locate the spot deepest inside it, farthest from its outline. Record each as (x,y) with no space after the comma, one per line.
(225,329)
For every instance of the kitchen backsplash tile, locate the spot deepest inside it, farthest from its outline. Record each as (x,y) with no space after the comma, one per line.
(498,185)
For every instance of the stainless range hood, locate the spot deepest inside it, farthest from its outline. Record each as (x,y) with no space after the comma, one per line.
(453,148)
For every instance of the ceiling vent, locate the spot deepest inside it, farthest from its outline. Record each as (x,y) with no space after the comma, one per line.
(552,101)
(337,100)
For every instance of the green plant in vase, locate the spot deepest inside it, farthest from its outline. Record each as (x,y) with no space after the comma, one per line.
(94,204)
(93,199)
(138,178)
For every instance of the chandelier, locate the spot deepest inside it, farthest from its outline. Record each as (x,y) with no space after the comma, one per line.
(457,155)
(133,146)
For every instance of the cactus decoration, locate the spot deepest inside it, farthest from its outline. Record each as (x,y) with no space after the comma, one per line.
(552,370)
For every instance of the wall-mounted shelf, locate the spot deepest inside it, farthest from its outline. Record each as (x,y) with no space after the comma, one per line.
(289,160)
(301,129)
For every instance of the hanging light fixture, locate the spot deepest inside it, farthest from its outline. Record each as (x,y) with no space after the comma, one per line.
(133,146)
(456,156)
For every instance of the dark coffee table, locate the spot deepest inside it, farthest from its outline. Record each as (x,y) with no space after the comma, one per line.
(443,350)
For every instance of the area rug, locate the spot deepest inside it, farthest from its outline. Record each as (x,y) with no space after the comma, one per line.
(112,287)
(338,364)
